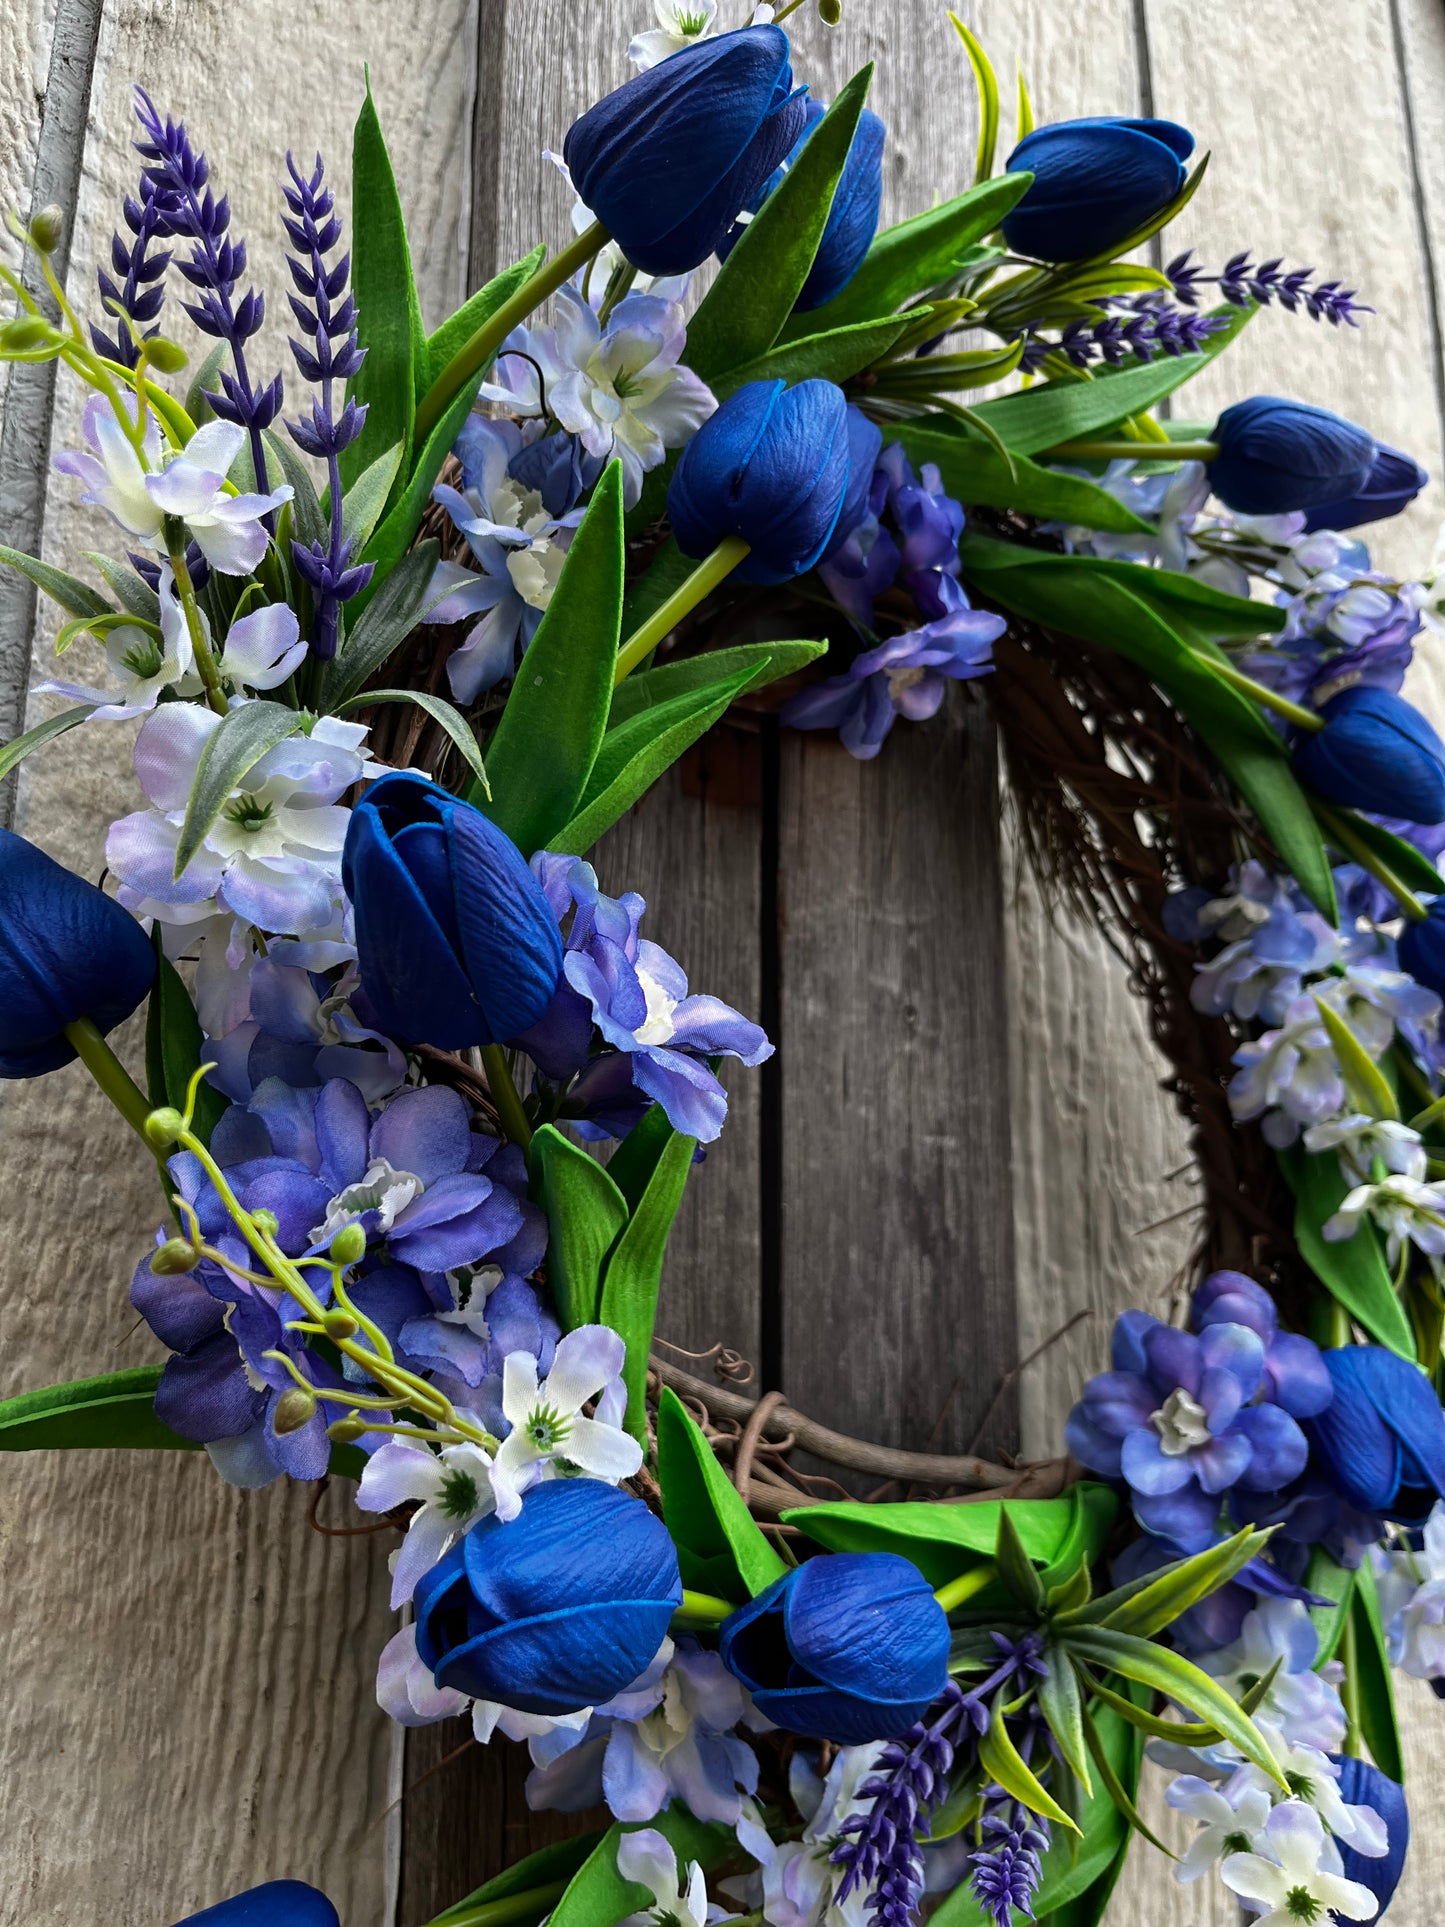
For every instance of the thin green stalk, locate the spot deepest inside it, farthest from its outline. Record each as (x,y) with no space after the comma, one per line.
(1350,1686)
(472,357)
(1340,832)
(503,1913)
(966,1586)
(712,570)
(701,1609)
(111,1075)
(1108,451)
(1267,698)
(190,608)
(504,1096)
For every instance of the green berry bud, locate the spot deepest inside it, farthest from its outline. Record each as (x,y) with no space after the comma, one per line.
(348,1247)
(340,1324)
(830,12)
(175,1257)
(345,1431)
(46,228)
(24,333)
(266,1222)
(166,357)
(293,1410)
(163,1128)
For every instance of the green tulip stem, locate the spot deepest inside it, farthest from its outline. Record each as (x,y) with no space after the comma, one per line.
(473,356)
(504,1096)
(958,1591)
(712,570)
(111,1075)
(511,1908)
(1108,451)
(1350,1684)
(700,1609)
(1339,832)
(1265,697)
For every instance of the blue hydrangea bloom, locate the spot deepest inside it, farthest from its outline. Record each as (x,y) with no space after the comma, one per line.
(1376,752)
(67,951)
(557,1609)
(1363,1785)
(1276,456)
(849,1647)
(1349,626)
(1381,1441)
(1095,181)
(666,162)
(1394,480)
(280,1903)
(455,941)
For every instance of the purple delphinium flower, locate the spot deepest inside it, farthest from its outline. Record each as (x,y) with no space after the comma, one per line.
(326,312)
(1241,282)
(190,211)
(140,292)
(1007,1866)
(635,995)
(290,1024)
(1348,627)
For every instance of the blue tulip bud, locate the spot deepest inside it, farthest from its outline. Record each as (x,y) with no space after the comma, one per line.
(1420,947)
(67,951)
(1375,752)
(668,160)
(455,941)
(1277,456)
(557,1609)
(1381,1440)
(1095,181)
(1363,1785)
(1395,479)
(280,1903)
(849,1647)
(771,466)
(853,219)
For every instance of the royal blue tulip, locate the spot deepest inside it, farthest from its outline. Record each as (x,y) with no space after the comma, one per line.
(771,466)
(1395,479)
(1363,1785)
(559,1608)
(1277,456)
(853,219)
(1381,1442)
(667,161)
(67,951)
(1421,947)
(455,941)
(1376,752)
(1095,181)
(849,1647)
(280,1903)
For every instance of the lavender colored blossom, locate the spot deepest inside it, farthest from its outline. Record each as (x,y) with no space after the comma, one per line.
(1344,629)
(1007,1866)
(1241,282)
(326,313)
(139,293)
(1152,328)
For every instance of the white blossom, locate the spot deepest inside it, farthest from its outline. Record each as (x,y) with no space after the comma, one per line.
(550,1436)
(1286,1882)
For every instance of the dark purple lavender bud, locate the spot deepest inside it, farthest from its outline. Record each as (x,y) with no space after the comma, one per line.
(137,269)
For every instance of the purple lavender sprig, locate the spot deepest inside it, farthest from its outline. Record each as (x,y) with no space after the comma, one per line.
(1007,1865)
(326,312)
(1241,282)
(140,291)
(191,212)
(1144,332)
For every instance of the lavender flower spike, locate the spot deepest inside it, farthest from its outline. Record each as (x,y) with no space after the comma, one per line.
(324,307)
(1007,1865)
(140,294)
(190,211)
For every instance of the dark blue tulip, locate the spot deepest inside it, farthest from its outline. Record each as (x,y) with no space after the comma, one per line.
(1363,1785)
(1421,947)
(1395,479)
(67,951)
(1381,1442)
(1375,752)
(559,1608)
(1095,181)
(865,444)
(668,160)
(1277,456)
(771,466)
(849,1647)
(280,1903)
(455,941)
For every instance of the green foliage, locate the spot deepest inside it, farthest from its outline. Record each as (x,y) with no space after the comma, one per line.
(720,1547)
(633,1273)
(174,1042)
(1370,1683)
(987,84)
(114,1411)
(585,1214)
(19,747)
(1328,1579)
(232,750)
(77,598)
(976,474)
(544,1873)
(1147,1605)
(442,712)
(363,502)
(649,688)
(403,600)
(308,516)
(598,1896)
(457,330)
(1002,1762)
(835,355)
(1354,1271)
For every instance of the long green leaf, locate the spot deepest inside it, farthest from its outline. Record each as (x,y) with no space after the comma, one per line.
(233,749)
(977,475)
(634,1272)
(1353,1271)
(115,1410)
(440,711)
(363,502)
(1183,1584)
(1328,1579)
(20,747)
(1374,1687)
(1182,1732)
(549,1866)
(743,312)
(1002,1761)
(1062,1705)
(598,1896)
(835,356)
(77,598)
(126,586)
(457,330)
(650,688)
(720,1547)
(1411,866)
(174,1042)
(585,1214)
(387,620)
(1116,1791)
(309,517)
(987,84)
(1367,1084)
(1015,1568)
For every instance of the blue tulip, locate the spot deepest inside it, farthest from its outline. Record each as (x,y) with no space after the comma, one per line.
(559,1608)
(853,219)
(455,941)
(1395,479)
(849,1647)
(771,466)
(1375,752)
(1277,456)
(67,951)
(1363,1785)
(1095,181)
(1381,1440)
(668,160)
(1420,947)
(280,1903)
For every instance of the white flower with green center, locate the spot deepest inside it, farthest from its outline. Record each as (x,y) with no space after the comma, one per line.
(1408,1211)
(1225,1825)
(646,1858)
(680,23)
(1359,1140)
(453,1489)
(551,1437)
(1313,1778)
(1285,1880)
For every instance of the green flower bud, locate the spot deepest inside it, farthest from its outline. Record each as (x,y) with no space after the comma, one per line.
(345,1431)
(340,1324)
(175,1257)
(266,1222)
(293,1410)
(830,12)
(24,333)
(46,228)
(348,1247)
(166,357)
(163,1128)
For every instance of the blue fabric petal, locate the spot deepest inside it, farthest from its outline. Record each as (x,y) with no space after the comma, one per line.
(280,1903)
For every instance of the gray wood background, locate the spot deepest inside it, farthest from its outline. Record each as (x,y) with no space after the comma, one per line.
(961,1143)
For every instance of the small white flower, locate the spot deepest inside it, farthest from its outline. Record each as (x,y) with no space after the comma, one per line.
(1359,1140)
(646,1858)
(406,1691)
(454,1488)
(550,1438)
(1300,1703)
(1285,1881)
(1226,1825)
(1313,1779)
(680,23)
(1405,1209)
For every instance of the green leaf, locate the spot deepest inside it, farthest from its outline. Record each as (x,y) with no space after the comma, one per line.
(1171,1673)
(743,313)
(987,84)
(19,747)
(207,378)
(115,1410)
(1184,1732)
(585,1213)
(1370,1666)
(1015,1568)
(556,715)
(1411,866)
(1062,1705)
(77,598)
(402,601)
(975,474)
(1354,1271)
(693,675)
(396,370)
(126,586)
(634,1272)
(363,502)
(174,1042)
(836,355)
(1366,1082)
(721,1549)
(1179,1586)
(457,330)
(1115,1790)
(1002,1761)
(1328,1579)
(309,516)
(548,1867)
(233,749)
(636,1157)
(598,1896)
(440,711)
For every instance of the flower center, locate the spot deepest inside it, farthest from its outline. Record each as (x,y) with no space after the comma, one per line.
(1300,1904)
(457,1498)
(1301,1785)
(625,385)
(248,812)
(383,1190)
(900,680)
(546,1427)
(535,571)
(691,23)
(1237,1843)
(515,507)
(1182,1424)
(657,1026)
(143,659)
